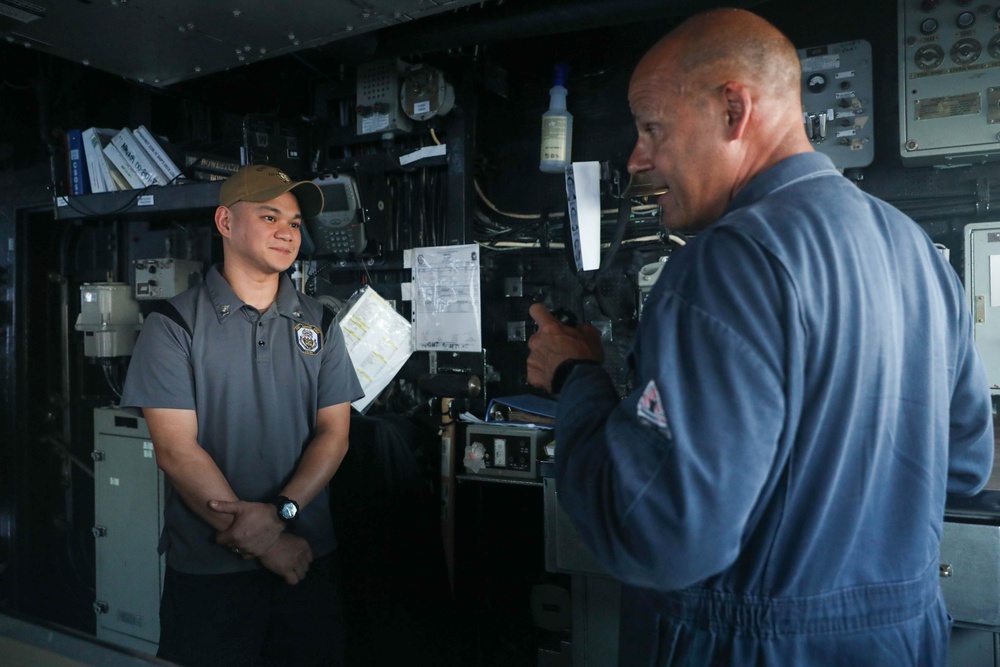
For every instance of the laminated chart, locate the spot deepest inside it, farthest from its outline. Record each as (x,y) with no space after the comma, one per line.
(378,341)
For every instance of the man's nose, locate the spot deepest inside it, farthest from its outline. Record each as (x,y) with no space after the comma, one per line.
(639,160)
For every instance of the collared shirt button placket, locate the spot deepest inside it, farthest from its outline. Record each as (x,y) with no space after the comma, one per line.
(262,351)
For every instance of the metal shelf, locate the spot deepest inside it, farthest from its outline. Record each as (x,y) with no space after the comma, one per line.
(155,199)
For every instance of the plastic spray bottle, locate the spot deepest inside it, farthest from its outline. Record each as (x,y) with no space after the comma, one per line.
(557,127)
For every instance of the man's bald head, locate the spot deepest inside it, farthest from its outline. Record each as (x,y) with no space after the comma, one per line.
(716,102)
(726,44)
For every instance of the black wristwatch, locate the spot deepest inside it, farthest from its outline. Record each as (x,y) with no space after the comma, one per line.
(288,509)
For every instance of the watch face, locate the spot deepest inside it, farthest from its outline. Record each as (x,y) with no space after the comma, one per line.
(288,511)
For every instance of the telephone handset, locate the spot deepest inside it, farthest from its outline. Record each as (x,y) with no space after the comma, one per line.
(340,228)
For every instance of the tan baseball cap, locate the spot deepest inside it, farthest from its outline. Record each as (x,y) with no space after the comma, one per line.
(261,182)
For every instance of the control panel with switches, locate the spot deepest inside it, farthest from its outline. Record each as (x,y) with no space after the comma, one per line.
(837,101)
(506,451)
(949,82)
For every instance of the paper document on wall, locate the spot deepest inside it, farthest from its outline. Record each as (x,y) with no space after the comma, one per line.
(446,300)
(583,190)
(378,341)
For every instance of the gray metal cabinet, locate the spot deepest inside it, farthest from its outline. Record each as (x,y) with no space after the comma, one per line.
(128,517)
(982,286)
(595,598)
(970,581)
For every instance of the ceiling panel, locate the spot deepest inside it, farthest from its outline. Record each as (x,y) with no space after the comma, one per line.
(167,41)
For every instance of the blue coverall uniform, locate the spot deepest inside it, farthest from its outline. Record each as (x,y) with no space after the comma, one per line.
(806,392)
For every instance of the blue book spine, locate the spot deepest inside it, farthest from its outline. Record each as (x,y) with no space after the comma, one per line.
(79,181)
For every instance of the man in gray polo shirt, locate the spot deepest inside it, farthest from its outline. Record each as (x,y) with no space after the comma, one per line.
(246,386)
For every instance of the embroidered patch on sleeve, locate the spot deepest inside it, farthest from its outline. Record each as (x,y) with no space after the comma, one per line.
(650,408)
(308,338)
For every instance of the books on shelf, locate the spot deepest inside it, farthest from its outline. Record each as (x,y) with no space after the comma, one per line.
(79,183)
(122,166)
(210,167)
(136,157)
(101,159)
(94,140)
(117,179)
(156,152)
(200,175)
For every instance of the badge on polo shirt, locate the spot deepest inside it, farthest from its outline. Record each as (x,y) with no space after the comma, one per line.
(308,338)
(650,409)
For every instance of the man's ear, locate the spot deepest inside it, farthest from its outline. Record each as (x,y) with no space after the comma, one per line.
(224,221)
(738,106)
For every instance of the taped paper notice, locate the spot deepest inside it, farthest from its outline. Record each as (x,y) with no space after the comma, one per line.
(446,300)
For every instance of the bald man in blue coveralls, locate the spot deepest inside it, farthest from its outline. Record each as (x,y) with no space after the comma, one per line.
(806,388)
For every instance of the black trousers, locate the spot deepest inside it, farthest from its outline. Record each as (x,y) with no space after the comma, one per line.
(253,619)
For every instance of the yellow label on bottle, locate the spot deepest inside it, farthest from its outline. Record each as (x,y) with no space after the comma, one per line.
(554,138)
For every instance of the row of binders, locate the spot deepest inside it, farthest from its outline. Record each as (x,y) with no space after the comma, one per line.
(107,160)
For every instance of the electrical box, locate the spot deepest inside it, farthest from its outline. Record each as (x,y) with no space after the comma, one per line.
(165,278)
(837,101)
(949,82)
(378,91)
(128,518)
(982,287)
(109,319)
(507,451)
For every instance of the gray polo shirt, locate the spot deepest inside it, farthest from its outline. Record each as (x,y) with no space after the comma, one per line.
(256,381)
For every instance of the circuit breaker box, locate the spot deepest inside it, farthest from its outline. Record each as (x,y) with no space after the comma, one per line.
(378,90)
(128,518)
